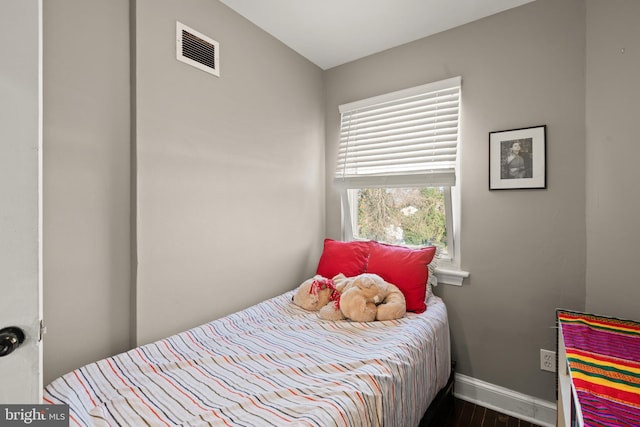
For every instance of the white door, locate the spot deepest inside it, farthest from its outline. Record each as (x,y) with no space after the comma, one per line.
(20,198)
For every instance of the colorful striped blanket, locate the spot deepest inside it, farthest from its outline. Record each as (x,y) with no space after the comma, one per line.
(604,363)
(273,364)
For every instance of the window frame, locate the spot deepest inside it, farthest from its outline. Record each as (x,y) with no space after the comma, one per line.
(448,270)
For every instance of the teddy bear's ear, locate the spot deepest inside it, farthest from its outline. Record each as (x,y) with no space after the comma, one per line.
(364,281)
(342,282)
(339,281)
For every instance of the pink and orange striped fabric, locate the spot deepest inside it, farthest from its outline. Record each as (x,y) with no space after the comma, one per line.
(603,354)
(273,364)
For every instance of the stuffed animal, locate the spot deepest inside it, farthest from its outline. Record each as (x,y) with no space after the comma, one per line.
(363,298)
(332,311)
(359,297)
(341,281)
(315,293)
(323,295)
(393,306)
(368,297)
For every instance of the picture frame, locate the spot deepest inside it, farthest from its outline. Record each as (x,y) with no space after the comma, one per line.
(518,159)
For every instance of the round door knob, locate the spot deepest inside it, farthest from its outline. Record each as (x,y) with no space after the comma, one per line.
(10,339)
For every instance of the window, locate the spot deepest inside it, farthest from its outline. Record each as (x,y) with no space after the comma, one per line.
(396,167)
(412,216)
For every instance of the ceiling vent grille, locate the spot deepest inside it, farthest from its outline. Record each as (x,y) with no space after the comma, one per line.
(198,50)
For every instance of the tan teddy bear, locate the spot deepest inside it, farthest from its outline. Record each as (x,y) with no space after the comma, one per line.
(359,297)
(332,311)
(314,293)
(363,298)
(368,297)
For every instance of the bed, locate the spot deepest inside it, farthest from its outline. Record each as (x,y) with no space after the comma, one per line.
(272,364)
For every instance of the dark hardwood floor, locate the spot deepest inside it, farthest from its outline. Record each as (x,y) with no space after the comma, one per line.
(465,414)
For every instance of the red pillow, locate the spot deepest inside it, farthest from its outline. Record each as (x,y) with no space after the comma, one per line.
(348,258)
(404,267)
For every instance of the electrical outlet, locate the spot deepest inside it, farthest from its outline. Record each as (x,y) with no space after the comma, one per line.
(548,360)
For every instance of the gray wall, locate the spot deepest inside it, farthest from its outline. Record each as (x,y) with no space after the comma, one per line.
(525,249)
(86,182)
(613,147)
(230,176)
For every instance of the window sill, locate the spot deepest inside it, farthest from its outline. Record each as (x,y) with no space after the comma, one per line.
(451,275)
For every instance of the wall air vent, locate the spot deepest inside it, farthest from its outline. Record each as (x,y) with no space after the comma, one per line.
(196,49)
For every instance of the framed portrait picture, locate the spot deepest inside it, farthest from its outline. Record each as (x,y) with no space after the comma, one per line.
(518,159)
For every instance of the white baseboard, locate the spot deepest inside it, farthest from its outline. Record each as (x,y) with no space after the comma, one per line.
(506,401)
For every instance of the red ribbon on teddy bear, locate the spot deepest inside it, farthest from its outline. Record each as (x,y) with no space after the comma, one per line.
(324,283)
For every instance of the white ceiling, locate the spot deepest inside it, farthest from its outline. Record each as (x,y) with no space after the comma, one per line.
(333,32)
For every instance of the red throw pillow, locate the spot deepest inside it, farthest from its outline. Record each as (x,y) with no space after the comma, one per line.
(348,258)
(404,267)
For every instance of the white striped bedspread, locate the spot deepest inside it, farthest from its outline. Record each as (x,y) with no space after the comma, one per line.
(273,364)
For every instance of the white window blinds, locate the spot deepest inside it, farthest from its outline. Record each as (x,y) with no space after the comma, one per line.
(408,137)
